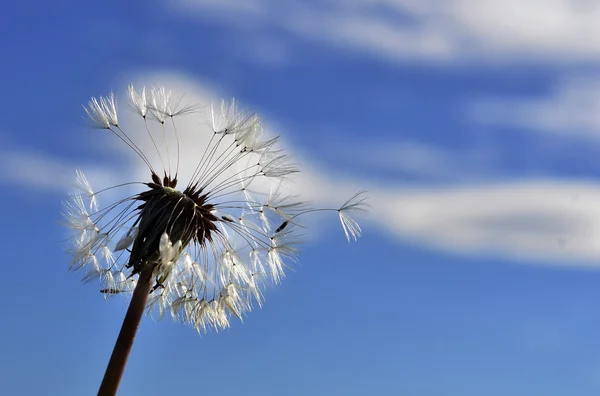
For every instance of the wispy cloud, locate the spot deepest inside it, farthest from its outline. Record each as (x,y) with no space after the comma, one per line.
(572,108)
(420,161)
(36,170)
(539,220)
(544,221)
(454,30)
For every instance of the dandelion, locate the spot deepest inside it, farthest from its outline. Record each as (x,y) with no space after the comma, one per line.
(201,251)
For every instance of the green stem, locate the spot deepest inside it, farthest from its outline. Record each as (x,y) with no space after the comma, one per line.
(118,359)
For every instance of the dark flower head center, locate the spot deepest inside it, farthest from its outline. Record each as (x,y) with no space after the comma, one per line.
(184,216)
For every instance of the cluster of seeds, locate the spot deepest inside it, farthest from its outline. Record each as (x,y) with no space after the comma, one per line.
(209,246)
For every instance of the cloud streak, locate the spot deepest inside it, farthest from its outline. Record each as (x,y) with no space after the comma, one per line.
(37,170)
(561,31)
(572,108)
(545,221)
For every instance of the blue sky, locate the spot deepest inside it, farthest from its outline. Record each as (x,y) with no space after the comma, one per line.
(474,126)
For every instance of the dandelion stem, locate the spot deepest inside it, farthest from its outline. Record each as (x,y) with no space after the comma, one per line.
(120,354)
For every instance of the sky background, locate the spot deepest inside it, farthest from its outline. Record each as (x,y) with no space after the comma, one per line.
(475,126)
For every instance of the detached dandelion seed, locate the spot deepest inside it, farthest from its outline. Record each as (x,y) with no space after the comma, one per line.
(201,251)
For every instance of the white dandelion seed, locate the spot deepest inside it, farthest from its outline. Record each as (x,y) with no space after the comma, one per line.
(103,112)
(138,100)
(209,247)
(358,203)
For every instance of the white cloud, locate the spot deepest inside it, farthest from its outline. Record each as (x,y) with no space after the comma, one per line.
(542,221)
(572,108)
(40,171)
(539,221)
(456,30)
(420,160)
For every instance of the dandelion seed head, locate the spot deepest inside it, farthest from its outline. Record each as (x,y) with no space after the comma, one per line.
(210,242)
